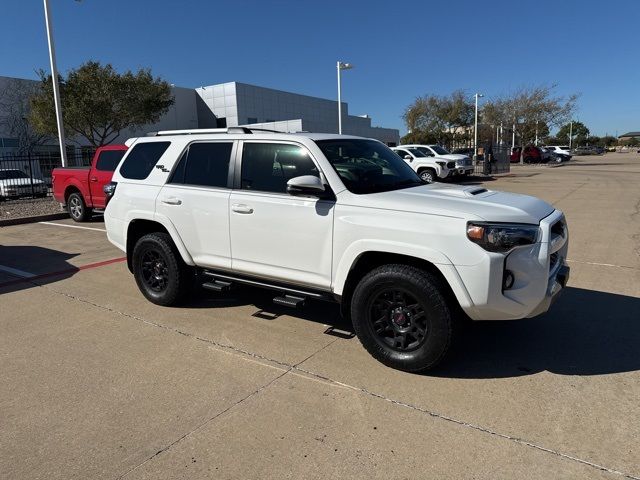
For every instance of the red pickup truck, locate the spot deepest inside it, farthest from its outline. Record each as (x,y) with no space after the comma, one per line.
(80,189)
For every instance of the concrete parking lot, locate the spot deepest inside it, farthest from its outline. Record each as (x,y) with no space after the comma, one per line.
(96,382)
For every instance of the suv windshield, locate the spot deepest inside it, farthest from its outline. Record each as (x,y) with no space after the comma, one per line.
(439,150)
(368,166)
(7,174)
(416,152)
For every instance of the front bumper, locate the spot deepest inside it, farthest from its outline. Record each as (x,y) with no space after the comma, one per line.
(539,272)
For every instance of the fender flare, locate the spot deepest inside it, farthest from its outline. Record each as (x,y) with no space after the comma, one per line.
(134,215)
(435,257)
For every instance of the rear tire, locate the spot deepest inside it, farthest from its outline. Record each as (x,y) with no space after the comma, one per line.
(77,209)
(402,317)
(161,274)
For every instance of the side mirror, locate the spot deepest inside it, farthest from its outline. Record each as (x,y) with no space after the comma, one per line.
(408,158)
(305,185)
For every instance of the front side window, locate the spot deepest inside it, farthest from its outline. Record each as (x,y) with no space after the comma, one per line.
(109,160)
(266,167)
(368,166)
(204,164)
(417,153)
(141,160)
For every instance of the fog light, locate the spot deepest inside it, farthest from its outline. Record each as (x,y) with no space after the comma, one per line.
(507,280)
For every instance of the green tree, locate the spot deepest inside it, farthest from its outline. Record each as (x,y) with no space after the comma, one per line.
(443,119)
(98,103)
(579,131)
(530,108)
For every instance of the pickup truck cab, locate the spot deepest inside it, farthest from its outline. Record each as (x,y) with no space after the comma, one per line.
(81,189)
(429,169)
(336,218)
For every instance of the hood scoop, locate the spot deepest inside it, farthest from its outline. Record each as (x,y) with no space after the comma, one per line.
(461,192)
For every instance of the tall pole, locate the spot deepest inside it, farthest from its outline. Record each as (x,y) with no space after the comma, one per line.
(513,137)
(339,102)
(56,87)
(475,129)
(536,133)
(570,134)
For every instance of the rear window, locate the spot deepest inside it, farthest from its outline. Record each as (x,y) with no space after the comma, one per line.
(109,160)
(142,158)
(204,164)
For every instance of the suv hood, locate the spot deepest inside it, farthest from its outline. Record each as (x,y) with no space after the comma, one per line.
(469,202)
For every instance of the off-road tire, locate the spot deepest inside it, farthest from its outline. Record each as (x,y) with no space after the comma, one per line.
(176,277)
(423,287)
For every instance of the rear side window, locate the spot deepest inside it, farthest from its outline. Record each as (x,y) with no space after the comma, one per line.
(267,167)
(142,158)
(109,160)
(205,164)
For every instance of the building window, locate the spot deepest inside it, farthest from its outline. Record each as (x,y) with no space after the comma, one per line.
(269,120)
(251,120)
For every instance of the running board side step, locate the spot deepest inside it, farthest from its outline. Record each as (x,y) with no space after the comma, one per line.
(289,301)
(217,286)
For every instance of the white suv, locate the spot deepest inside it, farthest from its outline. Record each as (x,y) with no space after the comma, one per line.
(429,169)
(338,218)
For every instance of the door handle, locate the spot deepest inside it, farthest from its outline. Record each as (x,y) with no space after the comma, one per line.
(94,179)
(171,201)
(240,208)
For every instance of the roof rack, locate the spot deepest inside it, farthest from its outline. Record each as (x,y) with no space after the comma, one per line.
(197,131)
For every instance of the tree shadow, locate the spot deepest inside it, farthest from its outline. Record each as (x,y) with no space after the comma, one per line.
(46,265)
(585,333)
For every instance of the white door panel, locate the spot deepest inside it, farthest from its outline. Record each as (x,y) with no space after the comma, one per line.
(282,237)
(201,215)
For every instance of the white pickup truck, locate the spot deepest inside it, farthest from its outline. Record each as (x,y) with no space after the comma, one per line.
(429,169)
(337,218)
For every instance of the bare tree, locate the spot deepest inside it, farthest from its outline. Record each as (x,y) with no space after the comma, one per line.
(14,115)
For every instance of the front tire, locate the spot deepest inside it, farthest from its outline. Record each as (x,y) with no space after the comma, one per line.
(402,318)
(161,275)
(77,209)
(427,175)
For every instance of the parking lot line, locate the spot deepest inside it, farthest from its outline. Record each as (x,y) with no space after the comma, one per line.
(15,271)
(28,277)
(72,226)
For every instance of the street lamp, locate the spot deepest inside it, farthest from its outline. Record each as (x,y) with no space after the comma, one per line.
(475,133)
(341,66)
(56,87)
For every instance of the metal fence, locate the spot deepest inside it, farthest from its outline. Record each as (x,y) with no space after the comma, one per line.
(498,160)
(29,176)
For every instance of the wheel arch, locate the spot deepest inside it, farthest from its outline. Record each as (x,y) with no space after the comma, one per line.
(367,261)
(137,228)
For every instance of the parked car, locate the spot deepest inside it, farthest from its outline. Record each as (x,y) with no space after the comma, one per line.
(429,168)
(15,183)
(81,188)
(533,154)
(564,152)
(336,218)
(587,150)
(463,166)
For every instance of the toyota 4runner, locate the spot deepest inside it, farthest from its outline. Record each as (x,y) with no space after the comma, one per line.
(332,217)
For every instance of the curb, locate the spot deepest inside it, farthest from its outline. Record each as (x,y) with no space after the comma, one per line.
(40,218)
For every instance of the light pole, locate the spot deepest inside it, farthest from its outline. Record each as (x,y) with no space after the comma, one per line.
(56,87)
(536,133)
(475,129)
(341,66)
(570,134)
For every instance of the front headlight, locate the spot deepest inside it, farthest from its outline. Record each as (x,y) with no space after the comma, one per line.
(501,237)
(442,164)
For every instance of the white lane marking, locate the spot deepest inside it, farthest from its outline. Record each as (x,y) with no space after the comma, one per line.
(15,271)
(73,226)
(601,264)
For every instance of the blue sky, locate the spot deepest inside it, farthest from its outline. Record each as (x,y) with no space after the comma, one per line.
(400,49)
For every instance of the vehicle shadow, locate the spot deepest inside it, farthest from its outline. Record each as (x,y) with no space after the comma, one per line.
(586,333)
(46,265)
(326,313)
